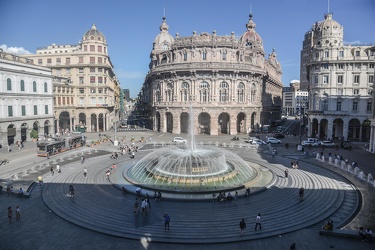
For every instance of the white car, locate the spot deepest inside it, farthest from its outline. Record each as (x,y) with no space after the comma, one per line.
(273,140)
(312,143)
(328,144)
(257,141)
(179,140)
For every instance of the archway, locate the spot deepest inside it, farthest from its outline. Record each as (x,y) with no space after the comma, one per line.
(11,134)
(81,127)
(252,123)
(36,126)
(101,122)
(314,128)
(241,125)
(157,122)
(354,129)
(24,128)
(46,127)
(94,124)
(338,129)
(223,121)
(184,122)
(64,120)
(169,117)
(204,123)
(324,129)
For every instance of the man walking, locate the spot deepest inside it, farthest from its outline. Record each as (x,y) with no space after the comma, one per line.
(85,172)
(242,226)
(82,159)
(286,173)
(167,221)
(257,222)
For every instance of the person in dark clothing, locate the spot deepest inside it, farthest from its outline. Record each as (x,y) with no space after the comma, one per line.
(242,226)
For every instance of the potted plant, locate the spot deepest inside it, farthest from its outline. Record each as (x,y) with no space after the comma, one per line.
(34,135)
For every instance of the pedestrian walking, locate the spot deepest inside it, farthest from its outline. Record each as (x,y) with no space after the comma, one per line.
(167,221)
(235,197)
(286,173)
(85,172)
(301,193)
(18,213)
(71,191)
(52,171)
(293,246)
(257,222)
(20,193)
(242,226)
(82,159)
(58,168)
(136,206)
(148,200)
(144,206)
(10,214)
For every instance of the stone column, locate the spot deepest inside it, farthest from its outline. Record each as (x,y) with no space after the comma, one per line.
(360,132)
(176,123)
(214,126)
(97,123)
(232,125)
(163,122)
(318,131)
(330,129)
(58,125)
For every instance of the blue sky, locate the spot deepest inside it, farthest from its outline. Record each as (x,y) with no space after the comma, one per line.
(131,26)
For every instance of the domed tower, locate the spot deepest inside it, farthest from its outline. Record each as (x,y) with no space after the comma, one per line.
(328,32)
(250,39)
(94,38)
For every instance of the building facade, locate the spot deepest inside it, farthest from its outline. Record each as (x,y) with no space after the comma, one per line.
(227,80)
(295,100)
(26,99)
(340,80)
(87,92)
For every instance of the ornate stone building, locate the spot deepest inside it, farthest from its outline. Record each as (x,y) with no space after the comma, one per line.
(86,90)
(227,80)
(340,81)
(26,100)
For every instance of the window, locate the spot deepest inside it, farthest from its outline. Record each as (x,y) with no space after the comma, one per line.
(185,92)
(80,70)
(326,53)
(58,71)
(81,90)
(80,59)
(356,79)
(371,66)
(105,50)
(203,92)
(340,79)
(357,53)
(355,91)
(339,91)
(85,48)
(46,109)
(40,61)
(369,106)
(35,110)
(45,87)
(58,61)
(341,66)
(34,86)
(369,92)
(224,92)
(241,92)
(325,66)
(355,106)
(316,55)
(10,111)
(67,61)
(100,91)
(22,85)
(252,93)
(341,53)
(92,70)
(67,71)
(224,55)
(100,79)
(204,55)
(100,60)
(49,61)
(357,65)
(371,79)
(325,105)
(101,100)
(81,100)
(338,106)
(100,49)
(92,47)
(185,56)
(93,90)
(316,79)
(23,110)
(92,60)
(81,80)
(92,100)
(325,79)
(100,70)
(92,79)
(9,84)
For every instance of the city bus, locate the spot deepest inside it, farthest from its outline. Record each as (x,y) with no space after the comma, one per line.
(48,148)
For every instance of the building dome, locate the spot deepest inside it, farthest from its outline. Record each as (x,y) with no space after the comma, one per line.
(93,34)
(164,40)
(251,38)
(330,31)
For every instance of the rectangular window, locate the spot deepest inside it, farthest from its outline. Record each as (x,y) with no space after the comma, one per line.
(80,59)
(316,55)
(341,53)
(355,91)
(325,79)
(10,111)
(356,79)
(100,91)
(326,53)
(371,79)
(35,110)
(23,110)
(105,50)
(80,70)
(185,56)
(92,100)
(46,109)
(100,60)
(105,60)
(204,56)
(371,66)
(9,84)
(357,53)
(59,100)
(63,100)
(99,48)
(341,66)
(338,106)
(58,71)
(224,56)
(92,47)
(325,66)
(100,70)
(316,79)
(81,90)
(92,60)
(92,70)
(339,91)
(357,65)
(355,106)
(58,61)
(369,106)
(340,79)
(85,48)
(67,61)
(49,61)
(71,100)
(92,79)
(101,100)
(81,100)
(34,86)
(67,71)
(40,61)
(100,79)
(81,80)
(93,90)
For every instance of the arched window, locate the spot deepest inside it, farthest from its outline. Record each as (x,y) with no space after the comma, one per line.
(224,55)
(92,38)
(253,92)
(169,92)
(224,92)
(249,44)
(241,92)
(34,86)
(22,85)
(204,55)
(165,46)
(204,92)
(185,56)
(9,84)
(45,88)
(184,92)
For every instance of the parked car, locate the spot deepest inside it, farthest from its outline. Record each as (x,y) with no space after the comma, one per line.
(179,140)
(279,135)
(258,141)
(328,144)
(311,141)
(273,140)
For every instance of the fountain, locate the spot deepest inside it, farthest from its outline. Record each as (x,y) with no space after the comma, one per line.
(356,170)
(361,175)
(188,168)
(350,169)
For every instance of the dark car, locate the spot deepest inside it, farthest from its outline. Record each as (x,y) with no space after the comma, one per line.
(278,135)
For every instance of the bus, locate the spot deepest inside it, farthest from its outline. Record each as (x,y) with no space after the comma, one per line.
(124,124)
(48,148)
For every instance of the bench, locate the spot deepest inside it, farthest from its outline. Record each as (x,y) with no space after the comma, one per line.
(341,233)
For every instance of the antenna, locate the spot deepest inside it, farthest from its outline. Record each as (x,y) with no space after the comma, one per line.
(328,6)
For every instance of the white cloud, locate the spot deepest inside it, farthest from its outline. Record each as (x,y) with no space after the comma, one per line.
(14,50)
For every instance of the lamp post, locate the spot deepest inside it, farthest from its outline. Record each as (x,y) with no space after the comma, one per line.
(115,142)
